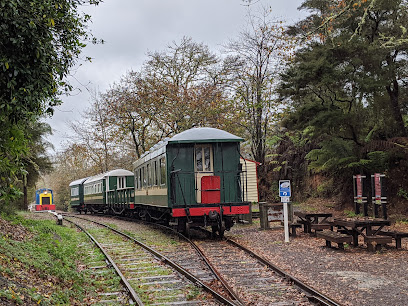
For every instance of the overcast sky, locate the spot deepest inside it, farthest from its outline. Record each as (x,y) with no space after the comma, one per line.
(131,28)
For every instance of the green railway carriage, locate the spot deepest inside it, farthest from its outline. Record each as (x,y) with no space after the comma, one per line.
(77,193)
(192,179)
(112,191)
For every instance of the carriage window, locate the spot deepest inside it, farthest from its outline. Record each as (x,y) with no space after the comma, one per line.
(163,171)
(203,158)
(144,177)
(149,175)
(207,166)
(74,191)
(199,159)
(140,178)
(155,176)
(121,182)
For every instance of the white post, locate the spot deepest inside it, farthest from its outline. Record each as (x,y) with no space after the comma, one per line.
(286,221)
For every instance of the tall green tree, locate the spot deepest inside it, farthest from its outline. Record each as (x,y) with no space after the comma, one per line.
(37,161)
(347,84)
(350,59)
(41,41)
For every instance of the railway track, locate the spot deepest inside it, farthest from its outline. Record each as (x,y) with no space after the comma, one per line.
(254,280)
(148,276)
(240,274)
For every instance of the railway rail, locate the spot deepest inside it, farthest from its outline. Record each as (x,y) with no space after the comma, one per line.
(132,260)
(254,278)
(133,296)
(313,294)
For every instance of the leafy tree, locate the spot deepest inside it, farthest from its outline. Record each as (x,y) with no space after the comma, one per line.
(70,164)
(41,42)
(132,109)
(351,62)
(182,83)
(176,89)
(347,84)
(36,162)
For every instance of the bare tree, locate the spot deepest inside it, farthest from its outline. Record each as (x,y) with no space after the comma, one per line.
(251,66)
(95,134)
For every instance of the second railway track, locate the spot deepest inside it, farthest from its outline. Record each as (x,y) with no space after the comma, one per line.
(253,280)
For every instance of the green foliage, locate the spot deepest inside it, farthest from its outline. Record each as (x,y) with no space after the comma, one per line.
(326,188)
(402,193)
(346,87)
(53,253)
(41,42)
(351,214)
(13,145)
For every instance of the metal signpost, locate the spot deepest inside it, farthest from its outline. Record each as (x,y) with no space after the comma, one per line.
(285,193)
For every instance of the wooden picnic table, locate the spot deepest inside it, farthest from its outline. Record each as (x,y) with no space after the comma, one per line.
(372,227)
(308,219)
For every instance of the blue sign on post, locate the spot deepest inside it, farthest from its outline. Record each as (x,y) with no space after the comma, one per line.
(284,188)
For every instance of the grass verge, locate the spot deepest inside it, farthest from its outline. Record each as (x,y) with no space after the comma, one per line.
(46,266)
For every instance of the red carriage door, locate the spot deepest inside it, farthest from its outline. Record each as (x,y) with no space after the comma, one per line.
(210,189)
(203,158)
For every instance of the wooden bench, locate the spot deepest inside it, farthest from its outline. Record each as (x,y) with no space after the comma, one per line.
(396,235)
(304,223)
(292,228)
(320,227)
(378,240)
(336,237)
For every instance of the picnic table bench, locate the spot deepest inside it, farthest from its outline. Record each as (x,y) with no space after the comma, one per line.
(378,240)
(363,227)
(396,235)
(336,237)
(292,228)
(309,219)
(321,226)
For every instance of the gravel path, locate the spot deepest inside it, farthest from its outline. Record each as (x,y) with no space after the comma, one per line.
(352,277)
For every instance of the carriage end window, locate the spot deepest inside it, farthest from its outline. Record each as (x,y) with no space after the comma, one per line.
(121,182)
(203,158)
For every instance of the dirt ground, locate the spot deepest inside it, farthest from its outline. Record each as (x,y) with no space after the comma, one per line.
(352,276)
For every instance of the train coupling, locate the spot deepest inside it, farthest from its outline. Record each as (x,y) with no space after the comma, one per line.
(213,215)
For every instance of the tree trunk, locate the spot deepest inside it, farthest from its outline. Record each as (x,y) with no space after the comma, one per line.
(393,93)
(25,198)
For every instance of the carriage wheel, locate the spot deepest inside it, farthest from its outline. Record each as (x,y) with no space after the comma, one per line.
(187,230)
(221,228)
(214,231)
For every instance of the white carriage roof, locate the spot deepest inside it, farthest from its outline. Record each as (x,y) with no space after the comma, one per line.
(78,182)
(116,172)
(119,172)
(95,178)
(204,134)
